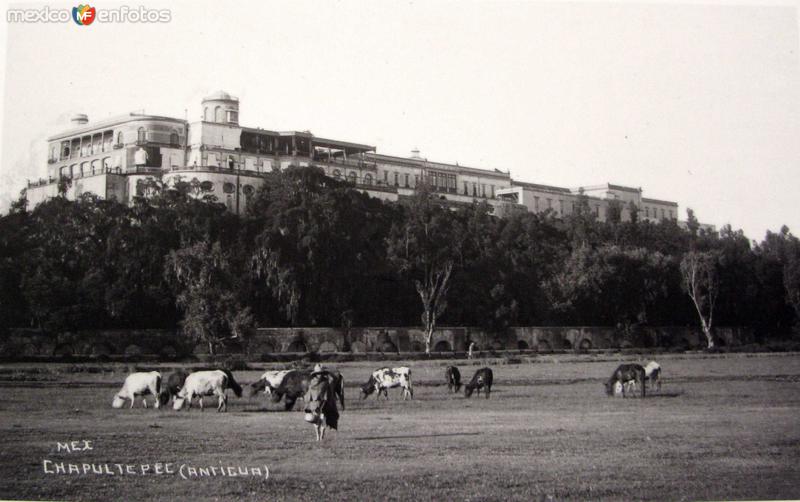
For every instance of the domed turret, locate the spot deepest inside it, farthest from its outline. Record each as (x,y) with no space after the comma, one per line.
(79,119)
(221,108)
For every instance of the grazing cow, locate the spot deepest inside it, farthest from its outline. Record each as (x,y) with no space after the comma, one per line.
(320,401)
(139,384)
(482,379)
(386,378)
(207,383)
(172,386)
(453,377)
(653,373)
(294,385)
(628,375)
(269,381)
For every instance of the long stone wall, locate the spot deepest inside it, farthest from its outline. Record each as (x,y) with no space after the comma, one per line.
(169,344)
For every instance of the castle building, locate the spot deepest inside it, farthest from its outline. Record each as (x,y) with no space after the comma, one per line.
(137,154)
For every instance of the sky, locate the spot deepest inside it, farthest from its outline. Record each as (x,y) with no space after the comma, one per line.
(693,102)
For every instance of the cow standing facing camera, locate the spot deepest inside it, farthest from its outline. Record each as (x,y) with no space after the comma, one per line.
(482,379)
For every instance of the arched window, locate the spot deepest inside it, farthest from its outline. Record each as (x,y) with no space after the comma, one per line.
(120,139)
(337,174)
(142,135)
(95,166)
(206,116)
(218,115)
(174,139)
(352,177)
(367,179)
(106,164)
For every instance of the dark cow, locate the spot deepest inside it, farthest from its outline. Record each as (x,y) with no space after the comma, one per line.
(320,401)
(627,375)
(453,377)
(172,386)
(294,385)
(482,379)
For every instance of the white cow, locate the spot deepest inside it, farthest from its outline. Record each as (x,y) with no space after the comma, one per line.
(139,384)
(207,383)
(386,378)
(653,373)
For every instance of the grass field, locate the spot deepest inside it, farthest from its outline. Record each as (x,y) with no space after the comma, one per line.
(724,427)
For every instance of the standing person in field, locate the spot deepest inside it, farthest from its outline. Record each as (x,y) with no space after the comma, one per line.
(470,351)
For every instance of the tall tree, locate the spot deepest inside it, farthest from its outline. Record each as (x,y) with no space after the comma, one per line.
(206,291)
(701,283)
(421,246)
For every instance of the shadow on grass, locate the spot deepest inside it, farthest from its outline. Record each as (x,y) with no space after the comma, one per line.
(418,436)
(665,394)
(264,410)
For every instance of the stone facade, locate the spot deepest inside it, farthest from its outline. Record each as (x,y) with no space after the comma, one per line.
(138,155)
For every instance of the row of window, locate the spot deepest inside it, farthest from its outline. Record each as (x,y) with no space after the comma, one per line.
(442,182)
(655,213)
(85,146)
(96,166)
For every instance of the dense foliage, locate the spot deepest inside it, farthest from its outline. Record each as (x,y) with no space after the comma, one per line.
(313,251)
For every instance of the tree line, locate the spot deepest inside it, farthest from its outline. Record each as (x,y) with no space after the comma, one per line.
(314,251)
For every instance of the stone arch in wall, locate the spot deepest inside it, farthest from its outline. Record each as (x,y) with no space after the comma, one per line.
(358,347)
(522,345)
(102,349)
(297,346)
(544,346)
(417,347)
(585,344)
(442,346)
(133,350)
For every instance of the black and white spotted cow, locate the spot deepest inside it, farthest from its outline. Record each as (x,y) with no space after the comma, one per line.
(388,378)
(652,371)
(628,375)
